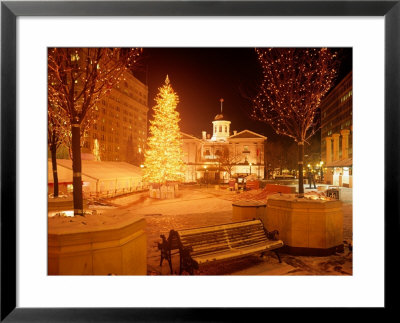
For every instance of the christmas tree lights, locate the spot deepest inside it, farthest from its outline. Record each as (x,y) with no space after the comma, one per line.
(164,155)
(294,82)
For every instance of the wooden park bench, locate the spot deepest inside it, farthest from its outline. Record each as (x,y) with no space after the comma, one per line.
(218,242)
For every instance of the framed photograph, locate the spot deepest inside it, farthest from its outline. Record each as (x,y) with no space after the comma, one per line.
(201,46)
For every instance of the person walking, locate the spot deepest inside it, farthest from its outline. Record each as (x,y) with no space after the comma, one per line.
(311,179)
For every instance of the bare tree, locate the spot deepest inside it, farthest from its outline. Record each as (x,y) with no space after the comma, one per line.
(77,79)
(56,133)
(294,83)
(227,160)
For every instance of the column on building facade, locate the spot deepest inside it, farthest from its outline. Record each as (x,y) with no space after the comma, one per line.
(345,143)
(328,149)
(335,137)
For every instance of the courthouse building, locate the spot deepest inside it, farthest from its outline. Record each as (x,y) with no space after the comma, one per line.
(337,133)
(216,157)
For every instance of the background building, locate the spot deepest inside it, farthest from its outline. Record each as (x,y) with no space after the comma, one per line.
(119,129)
(216,158)
(336,133)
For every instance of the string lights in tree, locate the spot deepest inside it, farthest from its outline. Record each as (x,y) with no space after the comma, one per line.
(57,129)
(294,82)
(77,79)
(164,154)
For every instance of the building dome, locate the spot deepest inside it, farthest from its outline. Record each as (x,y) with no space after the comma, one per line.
(219,117)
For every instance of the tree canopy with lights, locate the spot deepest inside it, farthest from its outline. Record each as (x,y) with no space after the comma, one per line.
(57,128)
(164,155)
(77,79)
(294,82)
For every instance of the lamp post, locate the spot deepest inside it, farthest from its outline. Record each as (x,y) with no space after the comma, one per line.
(206,175)
(321,163)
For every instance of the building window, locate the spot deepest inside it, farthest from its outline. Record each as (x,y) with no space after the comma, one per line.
(226,129)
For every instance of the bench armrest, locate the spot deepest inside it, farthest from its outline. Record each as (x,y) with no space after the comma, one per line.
(273,235)
(164,243)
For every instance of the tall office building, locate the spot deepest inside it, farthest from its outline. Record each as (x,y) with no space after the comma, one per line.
(119,130)
(336,133)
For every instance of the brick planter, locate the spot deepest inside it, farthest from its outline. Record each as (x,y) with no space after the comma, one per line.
(248,210)
(116,248)
(307,227)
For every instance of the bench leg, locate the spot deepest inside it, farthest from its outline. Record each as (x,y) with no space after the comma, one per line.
(161,260)
(277,254)
(170,261)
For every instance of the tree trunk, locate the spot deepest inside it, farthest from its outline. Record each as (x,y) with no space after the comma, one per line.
(53,150)
(300,163)
(77,169)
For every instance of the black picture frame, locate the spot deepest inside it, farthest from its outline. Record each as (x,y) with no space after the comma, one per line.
(10,10)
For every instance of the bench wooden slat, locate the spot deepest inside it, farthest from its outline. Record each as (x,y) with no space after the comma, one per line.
(236,252)
(231,246)
(217,227)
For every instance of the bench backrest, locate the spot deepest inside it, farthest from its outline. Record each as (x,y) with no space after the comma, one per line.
(222,237)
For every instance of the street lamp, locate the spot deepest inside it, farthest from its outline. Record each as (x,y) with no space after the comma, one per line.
(321,163)
(206,175)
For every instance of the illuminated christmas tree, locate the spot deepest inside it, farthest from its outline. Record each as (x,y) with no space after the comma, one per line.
(294,83)
(77,79)
(96,150)
(164,154)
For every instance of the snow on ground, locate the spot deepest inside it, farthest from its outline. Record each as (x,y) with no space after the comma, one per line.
(201,206)
(196,207)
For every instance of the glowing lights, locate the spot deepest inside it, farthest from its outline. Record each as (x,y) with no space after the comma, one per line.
(164,156)
(96,150)
(77,79)
(295,81)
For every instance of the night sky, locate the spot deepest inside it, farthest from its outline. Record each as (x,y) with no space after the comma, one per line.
(201,76)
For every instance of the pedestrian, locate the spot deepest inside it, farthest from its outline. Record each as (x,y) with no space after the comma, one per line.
(313,180)
(309,175)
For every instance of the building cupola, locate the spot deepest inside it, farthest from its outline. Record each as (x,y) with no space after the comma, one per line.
(220,126)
